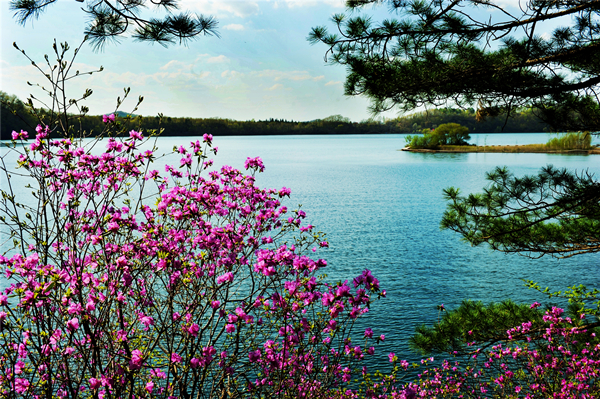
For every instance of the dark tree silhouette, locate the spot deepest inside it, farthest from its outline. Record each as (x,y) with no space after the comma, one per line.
(439,51)
(110,19)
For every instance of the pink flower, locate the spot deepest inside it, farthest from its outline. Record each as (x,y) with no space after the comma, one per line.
(409,393)
(22,135)
(19,367)
(22,351)
(225,277)
(90,306)
(367,279)
(149,386)
(392,357)
(230,328)
(21,385)
(73,324)
(108,118)
(94,383)
(136,360)
(382,337)
(369,333)
(254,163)
(284,192)
(147,321)
(135,135)
(254,355)
(175,358)
(194,329)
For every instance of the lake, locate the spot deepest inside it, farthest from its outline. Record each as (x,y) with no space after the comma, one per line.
(381,209)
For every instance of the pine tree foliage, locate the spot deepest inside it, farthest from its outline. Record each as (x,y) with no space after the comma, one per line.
(111,19)
(474,327)
(473,52)
(556,212)
(471,322)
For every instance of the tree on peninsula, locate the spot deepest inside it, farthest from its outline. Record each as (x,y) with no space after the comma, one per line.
(474,53)
(444,134)
(111,19)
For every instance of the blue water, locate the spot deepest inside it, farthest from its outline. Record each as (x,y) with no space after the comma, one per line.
(381,210)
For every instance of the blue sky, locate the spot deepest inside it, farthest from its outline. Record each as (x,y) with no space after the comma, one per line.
(261,67)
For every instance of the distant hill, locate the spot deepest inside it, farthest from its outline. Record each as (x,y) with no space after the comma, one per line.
(122,114)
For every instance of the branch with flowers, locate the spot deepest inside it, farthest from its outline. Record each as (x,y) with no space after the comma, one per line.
(125,281)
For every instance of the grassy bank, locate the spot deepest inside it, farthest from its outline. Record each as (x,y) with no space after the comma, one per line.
(568,143)
(529,148)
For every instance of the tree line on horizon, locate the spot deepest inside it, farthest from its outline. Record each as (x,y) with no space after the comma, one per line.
(16,114)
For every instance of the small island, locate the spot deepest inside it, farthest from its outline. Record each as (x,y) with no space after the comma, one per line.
(452,137)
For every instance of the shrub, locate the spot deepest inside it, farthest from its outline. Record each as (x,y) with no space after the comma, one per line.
(570,141)
(445,134)
(427,140)
(452,134)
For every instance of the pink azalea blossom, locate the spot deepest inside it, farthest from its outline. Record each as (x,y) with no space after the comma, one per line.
(73,324)
(227,277)
(175,358)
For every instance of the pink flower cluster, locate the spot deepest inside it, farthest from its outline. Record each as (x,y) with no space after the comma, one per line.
(134,281)
(557,359)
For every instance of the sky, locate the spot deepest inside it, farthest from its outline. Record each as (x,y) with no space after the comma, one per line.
(261,67)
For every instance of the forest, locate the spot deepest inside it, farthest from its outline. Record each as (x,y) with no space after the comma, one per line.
(16,114)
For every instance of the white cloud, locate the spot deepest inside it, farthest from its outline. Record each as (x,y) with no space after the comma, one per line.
(173,64)
(309,3)
(220,8)
(275,87)
(287,75)
(509,3)
(234,27)
(231,74)
(217,60)
(333,83)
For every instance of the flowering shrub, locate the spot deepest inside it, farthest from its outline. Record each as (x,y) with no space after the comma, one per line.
(190,282)
(557,359)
